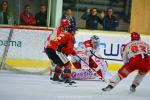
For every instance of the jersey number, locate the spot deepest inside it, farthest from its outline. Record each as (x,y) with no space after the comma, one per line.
(136,48)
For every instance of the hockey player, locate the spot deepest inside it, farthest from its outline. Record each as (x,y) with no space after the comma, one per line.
(136,56)
(58,47)
(76,61)
(89,52)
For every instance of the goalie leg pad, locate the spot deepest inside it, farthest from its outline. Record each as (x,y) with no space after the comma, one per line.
(77,65)
(95,67)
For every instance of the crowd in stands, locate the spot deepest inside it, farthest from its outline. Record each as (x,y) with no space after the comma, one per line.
(93,17)
(26,16)
(108,21)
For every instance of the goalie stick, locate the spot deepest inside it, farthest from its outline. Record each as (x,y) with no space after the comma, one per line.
(83,60)
(105,58)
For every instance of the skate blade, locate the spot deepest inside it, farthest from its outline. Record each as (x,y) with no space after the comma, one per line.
(56,82)
(104,92)
(72,85)
(131,92)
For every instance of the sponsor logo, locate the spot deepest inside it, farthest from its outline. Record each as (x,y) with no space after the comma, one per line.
(11,43)
(82,74)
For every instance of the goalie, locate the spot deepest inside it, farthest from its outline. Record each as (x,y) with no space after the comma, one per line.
(88,57)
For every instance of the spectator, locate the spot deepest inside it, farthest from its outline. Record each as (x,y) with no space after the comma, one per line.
(68,15)
(101,14)
(26,18)
(91,18)
(41,17)
(5,17)
(110,22)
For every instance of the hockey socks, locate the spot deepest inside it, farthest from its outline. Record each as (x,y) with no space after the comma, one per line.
(57,74)
(67,76)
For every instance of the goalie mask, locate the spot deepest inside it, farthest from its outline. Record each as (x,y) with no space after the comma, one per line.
(95,41)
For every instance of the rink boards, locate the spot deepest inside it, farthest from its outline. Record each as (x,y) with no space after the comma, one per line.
(27,45)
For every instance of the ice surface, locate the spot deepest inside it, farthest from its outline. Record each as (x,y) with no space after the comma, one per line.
(36,87)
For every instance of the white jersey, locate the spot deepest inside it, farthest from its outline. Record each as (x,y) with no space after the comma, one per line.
(84,53)
(134,48)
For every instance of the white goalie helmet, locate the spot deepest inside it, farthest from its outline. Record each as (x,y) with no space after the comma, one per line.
(95,40)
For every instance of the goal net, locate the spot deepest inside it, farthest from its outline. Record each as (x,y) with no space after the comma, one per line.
(21,50)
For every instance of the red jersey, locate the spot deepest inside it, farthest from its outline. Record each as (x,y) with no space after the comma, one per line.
(69,44)
(52,38)
(66,39)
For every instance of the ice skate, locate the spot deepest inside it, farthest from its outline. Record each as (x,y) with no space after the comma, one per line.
(132,88)
(108,88)
(70,83)
(57,80)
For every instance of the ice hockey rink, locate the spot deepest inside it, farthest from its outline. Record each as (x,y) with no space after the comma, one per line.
(39,87)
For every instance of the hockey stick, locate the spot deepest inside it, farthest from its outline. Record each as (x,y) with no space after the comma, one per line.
(105,58)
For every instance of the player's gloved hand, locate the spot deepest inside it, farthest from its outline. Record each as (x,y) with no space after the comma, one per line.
(60,47)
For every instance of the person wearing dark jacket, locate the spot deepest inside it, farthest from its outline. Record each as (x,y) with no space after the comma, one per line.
(92,19)
(110,22)
(68,15)
(41,17)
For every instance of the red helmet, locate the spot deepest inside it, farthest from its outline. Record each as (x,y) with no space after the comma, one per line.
(65,23)
(135,36)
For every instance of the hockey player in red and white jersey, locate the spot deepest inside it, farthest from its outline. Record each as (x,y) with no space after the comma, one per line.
(136,56)
(58,47)
(89,52)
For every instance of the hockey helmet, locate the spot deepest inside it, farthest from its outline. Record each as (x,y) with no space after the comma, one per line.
(135,36)
(65,23)
(95,39)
